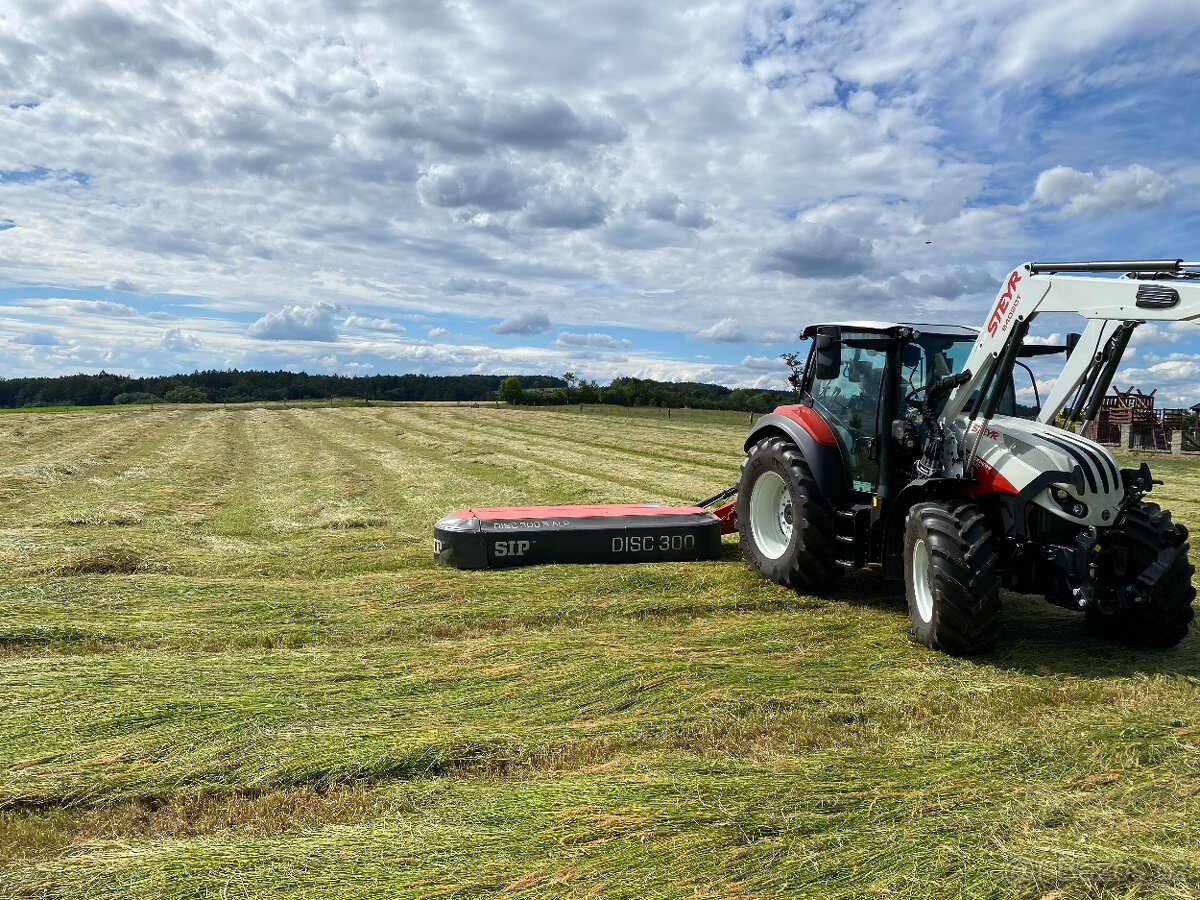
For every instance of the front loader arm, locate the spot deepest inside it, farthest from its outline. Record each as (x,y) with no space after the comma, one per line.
(1148,294)
(1081,366)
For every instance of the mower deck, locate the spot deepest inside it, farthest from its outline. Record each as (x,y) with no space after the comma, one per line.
(503,537)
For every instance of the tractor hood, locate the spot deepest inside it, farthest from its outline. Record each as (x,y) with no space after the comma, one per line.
(1013,452)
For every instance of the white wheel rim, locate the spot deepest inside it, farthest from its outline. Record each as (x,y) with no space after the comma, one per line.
(922,589)
(771,515)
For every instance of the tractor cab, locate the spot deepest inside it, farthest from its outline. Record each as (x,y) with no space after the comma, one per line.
(866,377)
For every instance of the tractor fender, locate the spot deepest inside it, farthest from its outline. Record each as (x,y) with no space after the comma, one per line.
(804,427)
(918,491)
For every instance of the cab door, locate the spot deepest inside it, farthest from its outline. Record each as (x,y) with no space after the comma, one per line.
(850,402)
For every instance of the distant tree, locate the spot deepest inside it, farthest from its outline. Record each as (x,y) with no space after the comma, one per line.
(185,393)
(570,379)
(510,390)
(589,392)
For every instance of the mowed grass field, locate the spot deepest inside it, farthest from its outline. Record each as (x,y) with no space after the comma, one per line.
(229,668)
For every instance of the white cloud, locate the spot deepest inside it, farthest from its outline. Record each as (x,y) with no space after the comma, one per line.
(762,364)
(437,331)
(367,323)
(176,340)
(297,323)
(573,206)
(1091,196)
(726,331)
(41,337)
(86,307)
(818,251)
(533,322)
(667,207)
(593,339)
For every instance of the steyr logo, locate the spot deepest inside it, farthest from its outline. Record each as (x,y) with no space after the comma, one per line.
(512,548)
(1002,304)
(989,433)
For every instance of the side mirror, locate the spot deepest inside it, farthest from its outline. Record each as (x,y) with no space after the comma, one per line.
(1072,339)
(827,354)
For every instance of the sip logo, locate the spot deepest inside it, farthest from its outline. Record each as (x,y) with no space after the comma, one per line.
(1007,299)
(511,548)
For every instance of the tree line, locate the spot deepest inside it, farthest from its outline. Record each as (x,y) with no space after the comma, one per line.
(234,386)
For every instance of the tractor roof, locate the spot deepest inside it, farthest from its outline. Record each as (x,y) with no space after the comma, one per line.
(956,331)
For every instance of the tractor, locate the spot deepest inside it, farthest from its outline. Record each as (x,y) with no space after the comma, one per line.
(908,452)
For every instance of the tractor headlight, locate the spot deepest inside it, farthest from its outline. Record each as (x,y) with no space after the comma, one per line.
(1068,504)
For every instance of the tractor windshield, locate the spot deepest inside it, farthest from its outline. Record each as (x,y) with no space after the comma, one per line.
(928,358)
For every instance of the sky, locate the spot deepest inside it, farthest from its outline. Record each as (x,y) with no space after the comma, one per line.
(664,190)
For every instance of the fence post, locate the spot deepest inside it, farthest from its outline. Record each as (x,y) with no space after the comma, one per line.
(668,412)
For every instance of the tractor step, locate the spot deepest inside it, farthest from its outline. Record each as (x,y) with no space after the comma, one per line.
(852,536)
(503,537)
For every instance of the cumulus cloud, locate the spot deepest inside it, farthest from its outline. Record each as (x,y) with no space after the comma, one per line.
(123,285)
(437,331)
(176,340)
(948,285)
(667,207)
(818,251)
(1091,196)
(762,363)
(456,120)
(297,323)
(726,331)
(492,186)
(545,123)
(367,323)
(572,206)
(592,339)
(533,322)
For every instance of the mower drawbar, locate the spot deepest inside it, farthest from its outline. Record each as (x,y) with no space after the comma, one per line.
(503,537)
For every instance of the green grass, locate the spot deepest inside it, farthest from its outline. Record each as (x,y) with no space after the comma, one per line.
(228,667)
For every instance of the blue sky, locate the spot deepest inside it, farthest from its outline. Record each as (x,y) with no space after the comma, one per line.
(667,190)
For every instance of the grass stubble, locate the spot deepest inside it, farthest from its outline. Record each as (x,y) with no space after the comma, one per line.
(228,667)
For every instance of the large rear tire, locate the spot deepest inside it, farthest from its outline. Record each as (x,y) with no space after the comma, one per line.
(785,524)
(1162,619)
(952,578)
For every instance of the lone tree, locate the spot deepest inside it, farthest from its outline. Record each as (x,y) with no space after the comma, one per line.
(510,390)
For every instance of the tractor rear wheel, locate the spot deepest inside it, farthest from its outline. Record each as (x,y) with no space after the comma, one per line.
(1161,620)
(785,525)
(952,577)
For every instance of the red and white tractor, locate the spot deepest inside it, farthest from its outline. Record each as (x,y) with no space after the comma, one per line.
(906,451)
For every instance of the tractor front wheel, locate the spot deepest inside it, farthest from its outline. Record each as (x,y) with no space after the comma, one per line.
(952,578)
(785,525)
(1162,618)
